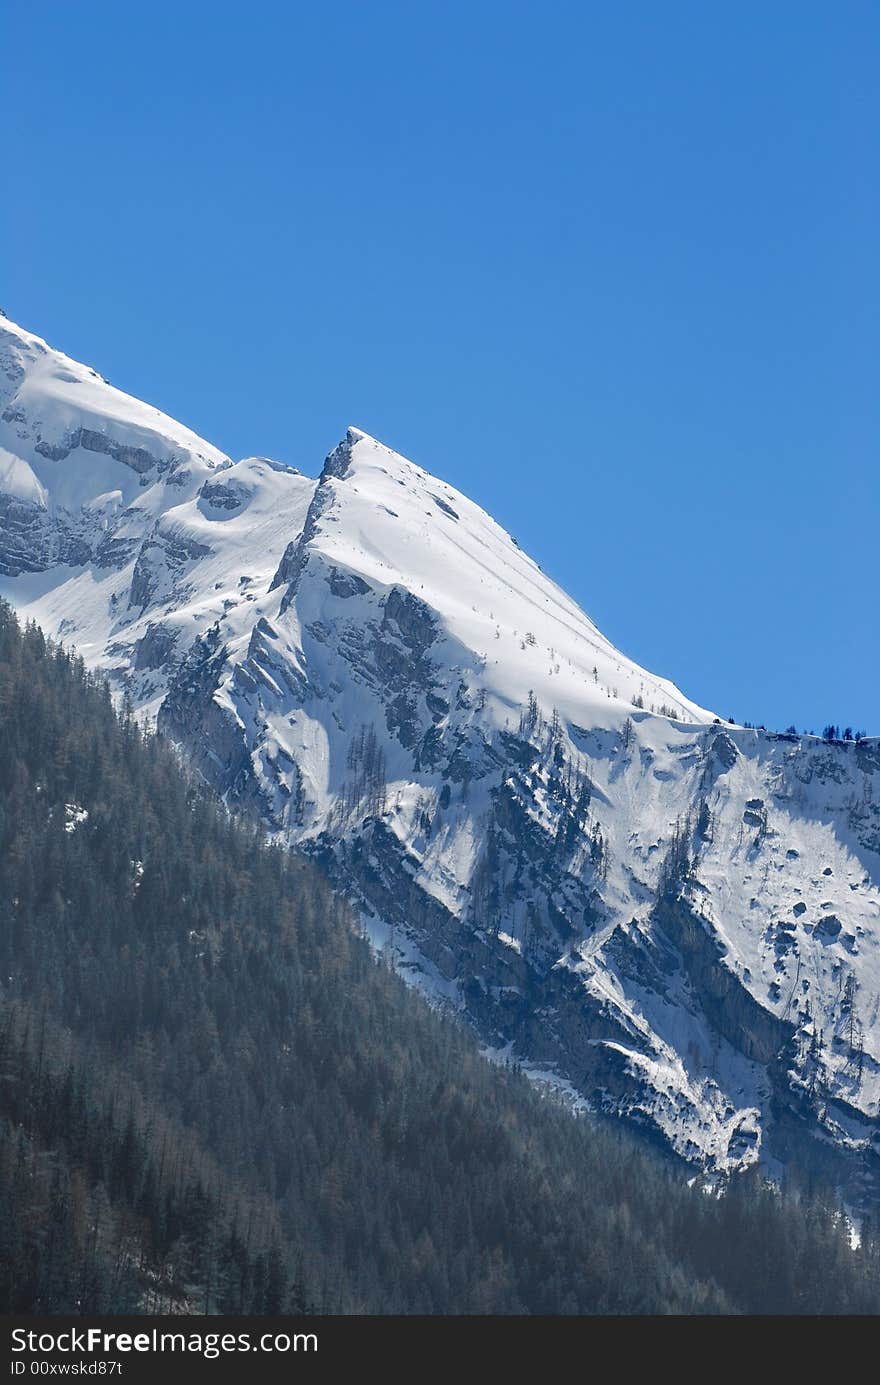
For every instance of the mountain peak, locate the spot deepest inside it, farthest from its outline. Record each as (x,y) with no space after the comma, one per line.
(55,410)
(371,662)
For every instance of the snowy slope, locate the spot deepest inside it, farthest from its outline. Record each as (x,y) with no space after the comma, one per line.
(76,438)
(676,920)
(111,513)
(394,524)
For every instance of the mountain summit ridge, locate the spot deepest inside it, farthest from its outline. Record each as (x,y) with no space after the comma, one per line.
(675,919)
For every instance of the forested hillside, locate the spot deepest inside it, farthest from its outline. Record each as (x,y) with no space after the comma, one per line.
(213,1097)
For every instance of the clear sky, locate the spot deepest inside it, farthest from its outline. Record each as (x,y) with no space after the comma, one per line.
(611,269)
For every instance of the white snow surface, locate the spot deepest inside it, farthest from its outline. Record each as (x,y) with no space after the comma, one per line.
(48,397)
(394,524)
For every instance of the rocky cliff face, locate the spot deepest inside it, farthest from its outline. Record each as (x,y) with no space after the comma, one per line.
(675,919)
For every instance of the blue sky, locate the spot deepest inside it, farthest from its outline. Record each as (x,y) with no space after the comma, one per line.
(609,269)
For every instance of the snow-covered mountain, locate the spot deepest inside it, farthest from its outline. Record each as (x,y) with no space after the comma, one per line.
(677,919)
